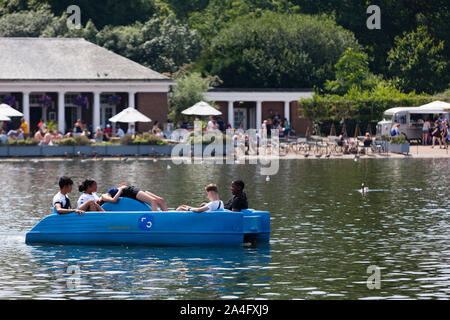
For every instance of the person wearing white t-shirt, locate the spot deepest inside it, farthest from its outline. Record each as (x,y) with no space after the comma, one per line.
(210,123)
(214,204)
(61,202)
(88,199)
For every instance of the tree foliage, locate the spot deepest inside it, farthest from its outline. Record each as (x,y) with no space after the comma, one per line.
(26,23)
(190,89)
(105,12)
(418,62)
(277,51)
(352,71)
(360,104)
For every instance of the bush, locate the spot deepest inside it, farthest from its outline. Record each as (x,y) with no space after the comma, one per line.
(360,104)
(126,140)
(148,139)
(398,139)
(23,143)
(142,139)
(75,141)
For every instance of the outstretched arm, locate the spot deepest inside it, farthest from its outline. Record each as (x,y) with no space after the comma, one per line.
(189,208)
(107,197)
(61,210)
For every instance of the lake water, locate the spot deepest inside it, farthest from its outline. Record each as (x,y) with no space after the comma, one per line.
(325,234)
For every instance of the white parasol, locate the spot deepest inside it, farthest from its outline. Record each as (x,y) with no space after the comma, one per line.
(202,109)
(130,115)
(9,111)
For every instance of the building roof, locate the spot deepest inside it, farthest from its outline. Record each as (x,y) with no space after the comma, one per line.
(67,59)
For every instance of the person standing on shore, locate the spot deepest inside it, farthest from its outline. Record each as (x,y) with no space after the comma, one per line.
(24,127)
(426,132)
(437,134)
(445,133)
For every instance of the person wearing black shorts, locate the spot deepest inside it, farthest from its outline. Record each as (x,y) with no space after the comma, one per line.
(437,134)
(135,193)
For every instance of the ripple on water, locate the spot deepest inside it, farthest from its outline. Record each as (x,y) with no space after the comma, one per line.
(324,234)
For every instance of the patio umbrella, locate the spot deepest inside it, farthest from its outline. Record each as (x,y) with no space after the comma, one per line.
(4,118)
(130,115)
(202,109)
(9,111)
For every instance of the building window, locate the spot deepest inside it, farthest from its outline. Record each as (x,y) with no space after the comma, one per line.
(52,116)
(34,98)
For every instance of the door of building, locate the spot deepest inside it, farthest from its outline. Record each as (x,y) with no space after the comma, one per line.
(72,114)
(240,116)
(107,111)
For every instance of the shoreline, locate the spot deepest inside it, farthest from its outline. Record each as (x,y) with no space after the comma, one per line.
(421,152)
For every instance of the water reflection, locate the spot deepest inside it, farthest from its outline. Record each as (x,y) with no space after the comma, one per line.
(150,273)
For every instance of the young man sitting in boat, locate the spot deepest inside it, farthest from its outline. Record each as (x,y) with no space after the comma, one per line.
(61,202)
(215,203)
(239,200)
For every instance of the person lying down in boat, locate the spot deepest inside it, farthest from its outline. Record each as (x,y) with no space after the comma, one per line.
(215,203)
(132,192)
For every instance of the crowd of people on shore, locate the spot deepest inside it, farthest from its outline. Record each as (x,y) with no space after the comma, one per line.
(432,132)
(90,201)
(49,136)
(273,122)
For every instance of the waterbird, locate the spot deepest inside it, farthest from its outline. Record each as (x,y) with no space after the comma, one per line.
(306,155)
(364,189)
(168,167)
(318,155)
(328,155)
(267,178)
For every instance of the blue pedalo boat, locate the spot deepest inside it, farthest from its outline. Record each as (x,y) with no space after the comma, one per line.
(131,222)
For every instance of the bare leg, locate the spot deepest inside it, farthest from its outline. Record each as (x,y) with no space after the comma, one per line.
(90,206)
(153,200)
(160,201)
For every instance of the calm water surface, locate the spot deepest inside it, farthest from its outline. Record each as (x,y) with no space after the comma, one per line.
(324,233)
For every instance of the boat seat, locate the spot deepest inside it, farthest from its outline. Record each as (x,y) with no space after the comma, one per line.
(126,204)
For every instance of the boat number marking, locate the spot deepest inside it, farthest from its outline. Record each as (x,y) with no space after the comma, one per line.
(145,222)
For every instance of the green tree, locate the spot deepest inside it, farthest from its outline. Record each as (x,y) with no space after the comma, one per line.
(190,89)
(161,44)
(26,23)
(106,12)
(169,44)
(418,62)
(352,71)
(124,40)
(277,51)
(221,13)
